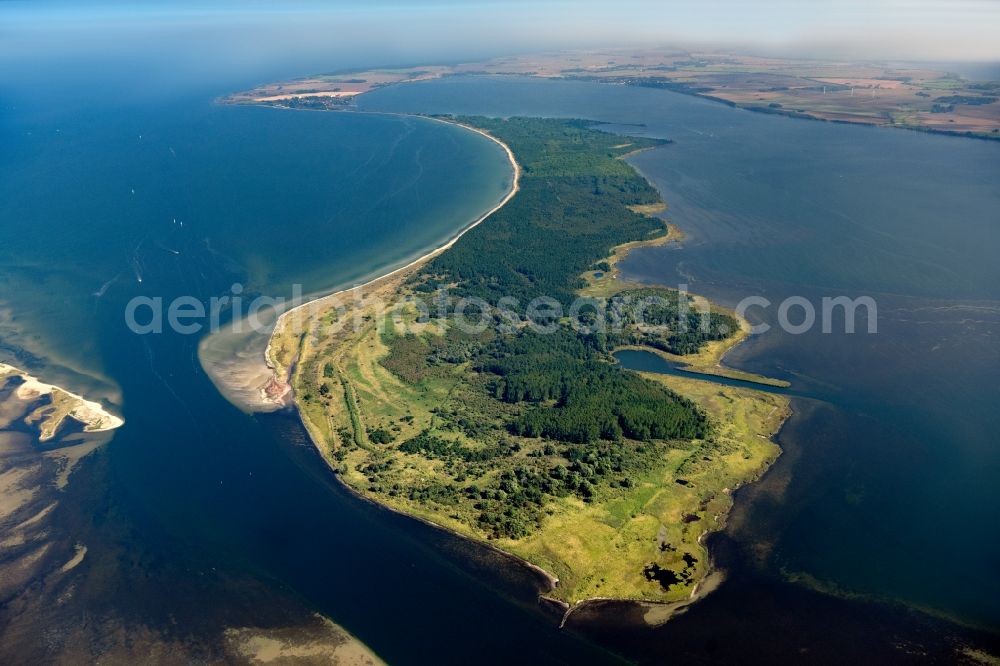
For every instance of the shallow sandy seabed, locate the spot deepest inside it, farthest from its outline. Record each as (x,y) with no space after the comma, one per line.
(63,405)
(323,643)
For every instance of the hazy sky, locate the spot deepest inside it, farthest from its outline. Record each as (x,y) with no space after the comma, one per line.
(916,29)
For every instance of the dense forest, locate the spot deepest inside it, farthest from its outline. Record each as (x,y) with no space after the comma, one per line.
(572,208)
(664,319)
(543,413)
(577,396)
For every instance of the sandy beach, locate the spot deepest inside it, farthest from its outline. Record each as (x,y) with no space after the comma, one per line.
(278,98)
(310,307)
(92,415)
(295,337)
(259,382)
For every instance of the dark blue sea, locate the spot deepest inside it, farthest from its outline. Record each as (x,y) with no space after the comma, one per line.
(121,177)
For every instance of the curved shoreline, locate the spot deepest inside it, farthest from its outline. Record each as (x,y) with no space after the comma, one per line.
(243,366)
(93,416)
(284,399)
(655,612)
(550,577)
(316,302)
(278,392)
(660,612)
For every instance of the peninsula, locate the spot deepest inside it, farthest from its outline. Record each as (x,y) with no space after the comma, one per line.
(515,427)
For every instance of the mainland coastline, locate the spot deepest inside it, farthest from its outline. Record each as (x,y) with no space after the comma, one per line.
(904,96)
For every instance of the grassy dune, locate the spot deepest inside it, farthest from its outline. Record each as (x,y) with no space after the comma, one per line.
(598,549)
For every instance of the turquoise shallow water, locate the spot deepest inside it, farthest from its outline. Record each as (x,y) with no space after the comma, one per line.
(131,202)
(196,516)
